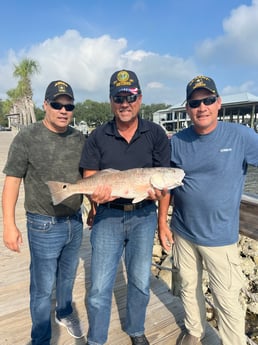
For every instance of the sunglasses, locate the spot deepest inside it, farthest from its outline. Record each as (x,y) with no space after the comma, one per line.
(128,99)
(59,106)
(195,103)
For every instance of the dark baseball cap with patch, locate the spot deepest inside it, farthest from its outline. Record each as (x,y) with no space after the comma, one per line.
(201,82)
(124,81)
(58,88)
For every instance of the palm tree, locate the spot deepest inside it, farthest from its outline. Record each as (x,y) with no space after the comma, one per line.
(22,100)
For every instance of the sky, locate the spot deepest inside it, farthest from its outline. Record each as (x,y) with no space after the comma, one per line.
(166,42)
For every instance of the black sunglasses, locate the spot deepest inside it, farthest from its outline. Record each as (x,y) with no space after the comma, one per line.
(128,99)
(195,103)
(59,106)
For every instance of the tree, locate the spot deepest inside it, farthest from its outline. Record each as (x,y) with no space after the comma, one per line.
(148,110)
(3,119)
(93,113)
(39,113)
(21,97)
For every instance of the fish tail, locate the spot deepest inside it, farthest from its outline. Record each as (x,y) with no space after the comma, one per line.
(59,191)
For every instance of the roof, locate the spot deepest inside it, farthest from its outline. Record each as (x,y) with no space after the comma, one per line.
(244,97)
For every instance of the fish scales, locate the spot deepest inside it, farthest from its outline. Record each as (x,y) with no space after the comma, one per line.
(130,184)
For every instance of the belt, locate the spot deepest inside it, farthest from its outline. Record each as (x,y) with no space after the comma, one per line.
(128,207)
(54,219)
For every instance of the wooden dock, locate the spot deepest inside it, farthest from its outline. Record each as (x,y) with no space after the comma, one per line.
(165,313)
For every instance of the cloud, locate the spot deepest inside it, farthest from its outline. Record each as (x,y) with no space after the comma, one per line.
(245,87)
(87,64)
(154,85)
(7,80)
(238,45)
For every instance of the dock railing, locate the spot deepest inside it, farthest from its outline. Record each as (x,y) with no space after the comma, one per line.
(249,216)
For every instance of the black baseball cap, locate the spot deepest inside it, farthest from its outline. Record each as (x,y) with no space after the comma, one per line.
(124,81)
(58,88)
(201,82)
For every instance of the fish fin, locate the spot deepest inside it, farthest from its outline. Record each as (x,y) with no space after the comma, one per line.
(139,198)
(59,191)
(108,171)
(156,181)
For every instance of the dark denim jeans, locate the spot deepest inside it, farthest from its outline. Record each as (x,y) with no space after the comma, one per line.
(114,232)
(54,248)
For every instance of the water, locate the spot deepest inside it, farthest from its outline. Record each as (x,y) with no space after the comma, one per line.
(251,183)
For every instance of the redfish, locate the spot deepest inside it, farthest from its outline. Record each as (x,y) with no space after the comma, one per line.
(130,184)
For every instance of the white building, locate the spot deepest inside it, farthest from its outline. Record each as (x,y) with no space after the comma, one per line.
(241,108)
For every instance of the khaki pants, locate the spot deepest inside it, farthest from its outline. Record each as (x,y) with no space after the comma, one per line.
(225,281)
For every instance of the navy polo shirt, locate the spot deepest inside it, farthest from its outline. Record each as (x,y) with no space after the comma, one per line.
(106,148)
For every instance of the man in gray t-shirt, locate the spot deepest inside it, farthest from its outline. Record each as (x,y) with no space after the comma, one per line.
(48,150)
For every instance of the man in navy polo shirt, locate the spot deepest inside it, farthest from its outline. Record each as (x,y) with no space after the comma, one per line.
(126,142)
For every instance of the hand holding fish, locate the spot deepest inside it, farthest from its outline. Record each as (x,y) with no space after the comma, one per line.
(157,194)
(102,194)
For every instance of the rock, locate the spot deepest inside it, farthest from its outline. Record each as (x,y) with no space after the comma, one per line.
(166,274)
(248,265)
(248,251)
(157,253)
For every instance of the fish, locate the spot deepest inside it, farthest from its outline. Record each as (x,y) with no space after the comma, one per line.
(130,184)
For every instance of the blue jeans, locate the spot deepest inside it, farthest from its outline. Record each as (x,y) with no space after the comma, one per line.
(54,248)
(113,232)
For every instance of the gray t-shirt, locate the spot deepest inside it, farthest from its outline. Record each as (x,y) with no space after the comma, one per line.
(38,155)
